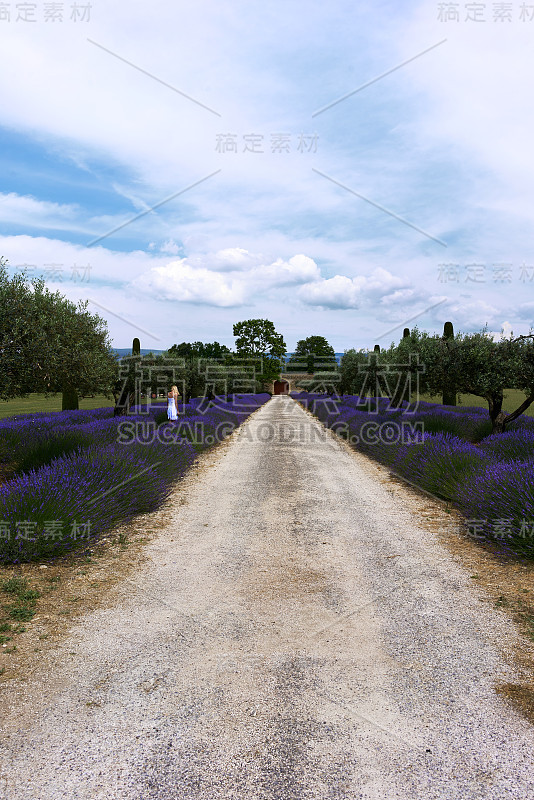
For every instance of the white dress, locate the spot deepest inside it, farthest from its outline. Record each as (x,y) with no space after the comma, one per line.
(171,408)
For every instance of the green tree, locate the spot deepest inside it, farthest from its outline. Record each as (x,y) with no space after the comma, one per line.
(258,337)
(199,350)
(24,314)
(151,373)
(404,375)
(473,364)
(206,367)
(449,389)
(353,364)
(84,362)
(478,365)
(48,344)
(394,373)
(146,374)
(364,373)
(322,383)
(258,342)
(312,355)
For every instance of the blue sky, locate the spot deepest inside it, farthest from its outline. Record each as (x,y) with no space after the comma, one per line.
(411,200)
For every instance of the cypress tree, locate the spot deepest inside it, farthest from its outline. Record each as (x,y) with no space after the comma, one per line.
(449,389)
(136,352)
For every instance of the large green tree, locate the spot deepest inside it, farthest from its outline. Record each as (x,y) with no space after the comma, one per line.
(85,362)
(258,337)
(259,344)
(474,364)
(48,344)
(312,355)
(190,350)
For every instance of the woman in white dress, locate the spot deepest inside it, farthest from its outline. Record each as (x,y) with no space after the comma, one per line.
(172,403)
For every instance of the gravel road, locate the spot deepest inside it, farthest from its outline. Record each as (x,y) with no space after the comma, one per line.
(295,633)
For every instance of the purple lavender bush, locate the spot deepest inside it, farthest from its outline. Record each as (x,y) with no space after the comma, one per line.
(491,482)
(77,479)
(30,444)
(498,503)
(97,487)
(512,445)
(440,463)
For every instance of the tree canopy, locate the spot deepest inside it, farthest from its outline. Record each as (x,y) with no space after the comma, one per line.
(312,355)
(473,363)
(476,364)
(48,344)
(258,343)
(258,337)
(199,350)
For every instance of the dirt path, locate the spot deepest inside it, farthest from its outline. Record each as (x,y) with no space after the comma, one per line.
(296,632)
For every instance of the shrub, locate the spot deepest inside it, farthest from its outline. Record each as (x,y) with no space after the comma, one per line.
(500,500)
(76,484)
(436,422)
(517,445)
(440,463)
(99,486)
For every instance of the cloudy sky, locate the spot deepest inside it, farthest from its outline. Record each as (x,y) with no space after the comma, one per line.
(341,169)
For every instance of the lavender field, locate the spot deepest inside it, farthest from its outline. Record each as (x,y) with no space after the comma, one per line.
(79,473)
(450,452)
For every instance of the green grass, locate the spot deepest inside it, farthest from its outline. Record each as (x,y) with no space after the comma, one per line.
(23,605)
(512,399)
(38,402)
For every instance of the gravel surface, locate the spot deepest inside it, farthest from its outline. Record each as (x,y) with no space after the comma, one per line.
(296,633)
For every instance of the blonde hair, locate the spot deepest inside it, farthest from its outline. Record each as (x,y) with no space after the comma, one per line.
(175,389)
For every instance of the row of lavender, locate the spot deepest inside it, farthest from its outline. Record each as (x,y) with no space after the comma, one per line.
(77,474)
(449,452)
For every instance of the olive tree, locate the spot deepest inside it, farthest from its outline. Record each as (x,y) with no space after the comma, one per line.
(48,344)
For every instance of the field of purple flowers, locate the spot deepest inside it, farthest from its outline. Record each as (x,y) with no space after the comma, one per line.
(450,452)
(72,475)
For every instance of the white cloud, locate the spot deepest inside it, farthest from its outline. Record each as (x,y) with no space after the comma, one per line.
(382,282)
(232,258)
(399,296)
(464,312)
(508,330)
(169,247)
(230,278)
(33,214)
(107,268)
(336,292)
(298,269)
(475,85)
(380,287)
(181,281)
(21,209)
(525,311)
